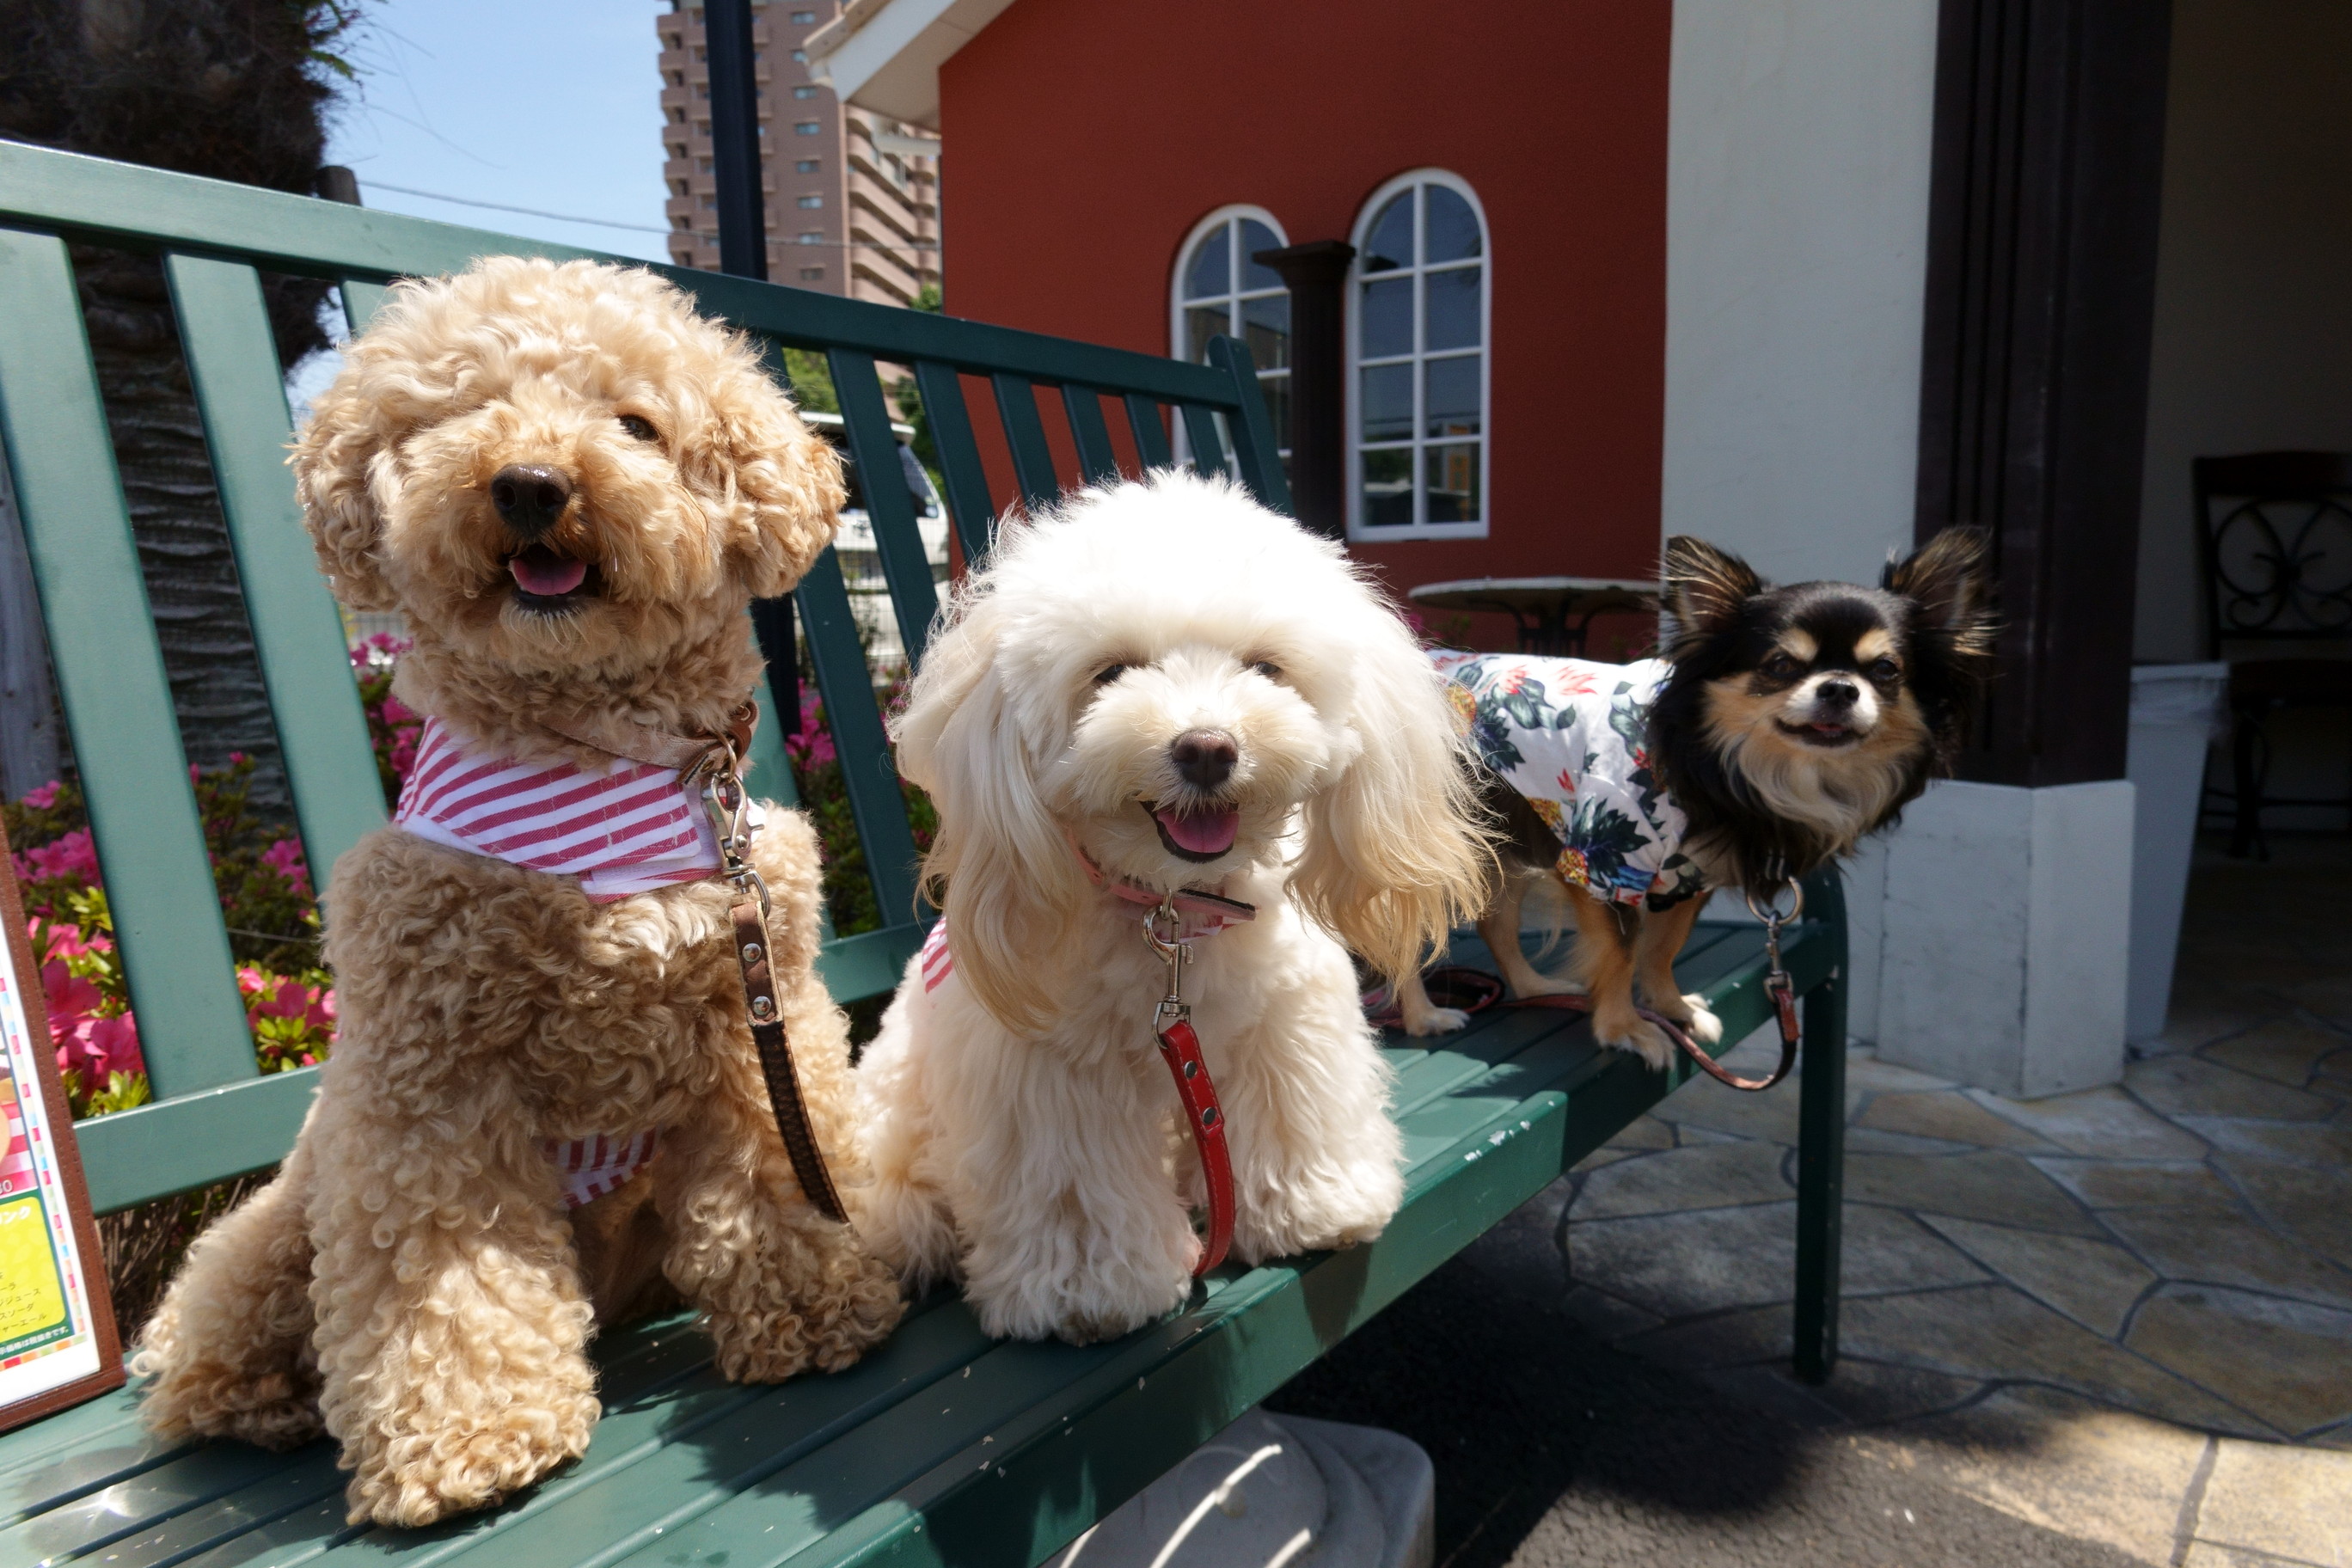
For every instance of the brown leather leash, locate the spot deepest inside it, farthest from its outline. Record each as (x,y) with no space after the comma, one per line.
(1776,985)
(715,762)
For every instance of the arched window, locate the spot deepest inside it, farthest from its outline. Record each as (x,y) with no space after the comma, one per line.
(1417,332)
(1219,290)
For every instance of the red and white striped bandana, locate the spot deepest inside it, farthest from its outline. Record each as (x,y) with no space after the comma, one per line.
(588,1168)
(625,829)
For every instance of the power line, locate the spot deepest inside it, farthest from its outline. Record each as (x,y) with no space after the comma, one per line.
(505,207)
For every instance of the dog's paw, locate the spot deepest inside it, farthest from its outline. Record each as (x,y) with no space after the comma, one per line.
(1548,985)
(1701,1025)
(1642,1037)
(466,1464)
(1436,1021)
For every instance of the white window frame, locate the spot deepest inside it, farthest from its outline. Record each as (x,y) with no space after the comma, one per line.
(1358,531)
(1179,341)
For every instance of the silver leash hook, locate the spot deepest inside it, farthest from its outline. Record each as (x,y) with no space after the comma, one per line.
(1172,951)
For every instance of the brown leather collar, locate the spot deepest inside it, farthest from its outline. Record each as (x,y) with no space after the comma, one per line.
(656,748)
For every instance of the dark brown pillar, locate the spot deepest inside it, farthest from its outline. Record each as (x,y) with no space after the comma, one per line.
(2049,149)
(1317,273)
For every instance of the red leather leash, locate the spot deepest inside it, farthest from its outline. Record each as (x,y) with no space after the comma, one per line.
(1180,1047)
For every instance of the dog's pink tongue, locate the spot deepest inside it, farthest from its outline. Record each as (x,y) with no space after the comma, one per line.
(1201,832)
(540,571)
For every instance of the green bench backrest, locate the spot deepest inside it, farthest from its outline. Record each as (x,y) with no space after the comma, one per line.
(215,1114)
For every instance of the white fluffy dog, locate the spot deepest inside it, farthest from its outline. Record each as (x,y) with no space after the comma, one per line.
(1160,685)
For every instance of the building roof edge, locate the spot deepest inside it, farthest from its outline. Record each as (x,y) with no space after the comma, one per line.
(885,55)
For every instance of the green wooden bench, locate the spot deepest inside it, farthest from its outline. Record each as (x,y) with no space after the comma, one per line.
(942,1446)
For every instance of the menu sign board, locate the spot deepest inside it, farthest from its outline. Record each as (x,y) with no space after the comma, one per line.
(57,1343)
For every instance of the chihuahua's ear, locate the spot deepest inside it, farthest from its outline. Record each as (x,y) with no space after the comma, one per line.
(1948,579)
(1705,586)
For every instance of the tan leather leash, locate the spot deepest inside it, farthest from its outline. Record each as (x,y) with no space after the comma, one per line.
(1776,985)
(1180,1047)
(715,762)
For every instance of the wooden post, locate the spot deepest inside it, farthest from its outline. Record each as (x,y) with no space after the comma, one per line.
(1316,274)
(735,138)
(2049,145)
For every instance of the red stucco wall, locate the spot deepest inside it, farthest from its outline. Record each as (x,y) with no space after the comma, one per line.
(1085,137)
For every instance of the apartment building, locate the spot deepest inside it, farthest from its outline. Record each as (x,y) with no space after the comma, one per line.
(852,198)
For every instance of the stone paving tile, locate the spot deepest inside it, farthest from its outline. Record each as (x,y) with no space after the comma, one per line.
(2286,1362)
(1997,1333)
(2303,1141)
(2059,1462)
(2205,1554)
(1990,1185)
(2312,1203)
(1870,1141)
(2330,998)
(1733,1339)
(2094,1282)
(2220,1246)
(2104,1122)
(1951,1117)
(1605,1314)
(2286,1050)
(1705,1177)
(2288,1503)
(2119,1184)
(1707,1260)
(1866,1070)
(2192,1086)
(1873,1392)
(1708,1105)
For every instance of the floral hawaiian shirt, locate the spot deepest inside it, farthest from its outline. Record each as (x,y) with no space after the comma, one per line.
(1572,736)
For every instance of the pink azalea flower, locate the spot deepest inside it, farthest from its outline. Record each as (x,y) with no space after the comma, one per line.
(44,797)
(395,711)
(73,855)
(112,1045)
(285,857)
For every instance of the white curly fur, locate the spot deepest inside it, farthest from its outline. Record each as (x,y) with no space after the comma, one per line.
(1020,1126)
(411,1280)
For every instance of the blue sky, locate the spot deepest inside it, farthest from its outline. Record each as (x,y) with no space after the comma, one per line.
(548,104)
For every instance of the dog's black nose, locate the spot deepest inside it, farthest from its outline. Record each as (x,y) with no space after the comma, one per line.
(530,496)
(1205,757)
(1837,694)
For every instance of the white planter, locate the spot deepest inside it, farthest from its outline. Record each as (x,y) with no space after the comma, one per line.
(2176,714)
(2006,936)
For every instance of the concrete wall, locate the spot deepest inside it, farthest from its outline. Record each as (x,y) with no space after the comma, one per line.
(1798,151)
(1797,165)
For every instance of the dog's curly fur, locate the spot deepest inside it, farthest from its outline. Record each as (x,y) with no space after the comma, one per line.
(411,1282)
(1022,1128)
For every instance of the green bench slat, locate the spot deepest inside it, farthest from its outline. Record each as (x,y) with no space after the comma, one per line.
(145,209)
(970,507)
(1201,432)
(297,633)
(192,1140)
(111,679)
(1151,436)
(869,777)
(1024,438)
(1252,426)
(1097,463)
(889,506)
(362,299)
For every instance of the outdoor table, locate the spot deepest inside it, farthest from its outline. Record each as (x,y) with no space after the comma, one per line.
(1542,606)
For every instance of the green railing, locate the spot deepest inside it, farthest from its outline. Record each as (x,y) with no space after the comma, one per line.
(216,1115)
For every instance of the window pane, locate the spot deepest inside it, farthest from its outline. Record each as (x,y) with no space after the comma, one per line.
(1388,488)
(1386,321)
(1450,229)
(1454,483)
(1211,273)
(1452,304)
(1278,407)
(1451,404)
(1388,244)
(1386,404)
(1266,327)
(1202,323)
(1256,236)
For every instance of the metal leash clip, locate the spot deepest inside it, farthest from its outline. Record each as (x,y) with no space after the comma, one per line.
(1777,983)
(1173,1009)
(729,809)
